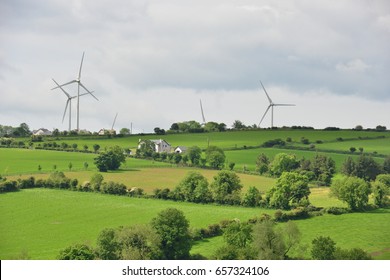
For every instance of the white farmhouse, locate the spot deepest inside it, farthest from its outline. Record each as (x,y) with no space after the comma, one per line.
(42,132)
(160,145)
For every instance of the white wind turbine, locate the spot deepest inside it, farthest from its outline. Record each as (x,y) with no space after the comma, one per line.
(68,103)
(271,105)
(79,84)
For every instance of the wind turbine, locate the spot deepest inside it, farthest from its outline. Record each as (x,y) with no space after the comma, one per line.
(68,103)
(201,109)
(79,84)
(271,105)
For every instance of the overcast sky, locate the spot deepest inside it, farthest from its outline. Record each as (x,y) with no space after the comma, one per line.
(151,62)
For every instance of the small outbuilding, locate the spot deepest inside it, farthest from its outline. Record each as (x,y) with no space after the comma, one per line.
(180,149)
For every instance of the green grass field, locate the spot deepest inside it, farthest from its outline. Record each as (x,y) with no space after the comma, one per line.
(41,222)
(363,230)
(247,158)
(22,161)
(225,140)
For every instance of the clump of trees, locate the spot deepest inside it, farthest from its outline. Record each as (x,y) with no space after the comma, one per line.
(195,127)
(319,170)
(364,167)
(166,237)
(110,159)
(324,248)
(291,190)
(214,156)
(263,240)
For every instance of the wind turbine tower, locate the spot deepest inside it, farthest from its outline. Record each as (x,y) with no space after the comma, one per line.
(271,105)
(68,103)
(79,84)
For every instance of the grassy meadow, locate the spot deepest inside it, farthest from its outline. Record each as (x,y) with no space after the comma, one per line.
(40,222)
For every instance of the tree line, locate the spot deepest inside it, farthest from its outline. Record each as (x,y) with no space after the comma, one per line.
(169,236)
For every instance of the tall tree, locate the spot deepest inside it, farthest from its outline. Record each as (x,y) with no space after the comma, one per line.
(323,248)
(111,159)
(173,228)
(291,189)
(226,187)
(215,156)
(352,190)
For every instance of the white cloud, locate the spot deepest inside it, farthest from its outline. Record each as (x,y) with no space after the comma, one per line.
(355,65)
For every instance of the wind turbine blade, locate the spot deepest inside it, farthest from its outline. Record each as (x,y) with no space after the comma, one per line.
(88,91)
(284,105)
(201,108)
(114,121)
(85,93)
(81,66)
(269,99)
(68,83)
(67,94)
(66,107)
(266,111)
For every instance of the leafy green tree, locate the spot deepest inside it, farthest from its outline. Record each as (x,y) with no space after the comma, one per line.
(252,198)
(268,242)
(221,127)
(139,242)
(381,190)
(226,187)
(124,131)
(323,168)
(194,154)
(367,168)
(146,148)
(323,248)
(349,167)
(352,254)
(211,126)
(174,126)
(231,166)
(96,148)
(193,188)
(291,189)
(110,159)
(238,234)
(237,124)
(173,228)
(77,252)
(96,181)
(108,247)
(352,190)
(262,163)
(386,165)
(215,157)
(283,163)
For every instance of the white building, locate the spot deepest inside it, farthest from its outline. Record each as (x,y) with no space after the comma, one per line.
(42,132)
(180,149)
(160,145)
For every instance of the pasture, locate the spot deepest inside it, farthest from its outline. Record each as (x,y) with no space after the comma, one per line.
(367,230)
(224,140)
(40,222)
